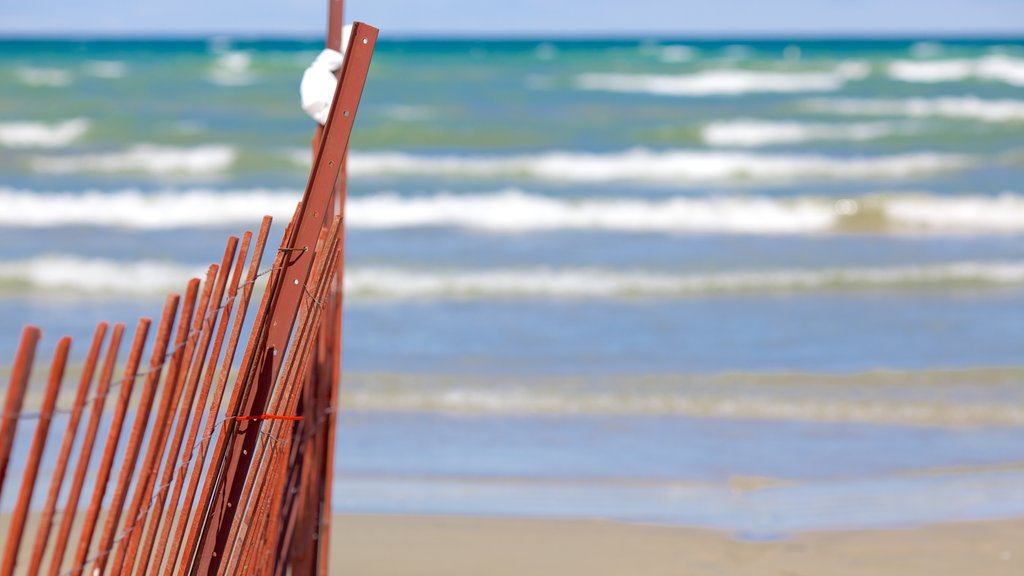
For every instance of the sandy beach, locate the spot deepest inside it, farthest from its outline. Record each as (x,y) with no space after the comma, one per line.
(456,546)
(374,545)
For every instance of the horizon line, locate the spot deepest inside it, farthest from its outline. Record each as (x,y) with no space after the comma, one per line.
(1013,36)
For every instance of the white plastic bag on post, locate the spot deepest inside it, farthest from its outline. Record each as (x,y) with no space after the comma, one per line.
(319,81)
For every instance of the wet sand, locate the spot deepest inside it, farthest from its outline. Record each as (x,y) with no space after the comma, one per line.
(460,546)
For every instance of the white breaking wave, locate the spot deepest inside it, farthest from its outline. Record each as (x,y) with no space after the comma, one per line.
(109,69)
(642,165)
(994,67)
(135,209)
(148,158)
(727,82)
(99,276)
(50,77)
(598,283)
(1002,213)
(232,68)
(968,107)
(752,133)
(66,274)
(516,211)
(42,134)
(557,397)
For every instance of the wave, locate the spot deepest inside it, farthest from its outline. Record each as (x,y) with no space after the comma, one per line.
(68,274)
(108,69)
(48,77)
(725,82)
(750,133)
(132,208)
(41,134)
(918,398)
(598,283)
(643,165)
(232,68)
(993,67)
(73,275)
(146,158)
(967,107)
(515,211)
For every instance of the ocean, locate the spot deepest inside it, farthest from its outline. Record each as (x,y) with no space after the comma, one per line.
(758,286)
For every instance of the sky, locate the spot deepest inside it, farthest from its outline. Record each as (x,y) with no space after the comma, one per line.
(480,18)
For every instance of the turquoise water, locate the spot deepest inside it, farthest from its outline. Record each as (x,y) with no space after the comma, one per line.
(634,243)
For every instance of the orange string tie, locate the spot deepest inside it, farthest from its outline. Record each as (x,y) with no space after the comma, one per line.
(268,417)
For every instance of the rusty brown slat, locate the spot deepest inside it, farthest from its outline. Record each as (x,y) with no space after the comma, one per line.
(138,431)
(296,478)
(335,11)
(318,196)
(213,322)
(110,448)
(136,516)
(88,443)
(60,469)
(296,475)
(242,525)
(331,335)
(256,543)
(15,397)
(35,455)
(199,459)
(263,533)
(170,471)
(216,327)
(224,438)
(191,354)
(303,548)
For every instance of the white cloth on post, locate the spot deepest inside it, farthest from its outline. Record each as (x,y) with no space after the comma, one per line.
(319,81)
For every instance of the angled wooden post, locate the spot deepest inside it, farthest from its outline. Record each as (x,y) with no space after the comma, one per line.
(290,291)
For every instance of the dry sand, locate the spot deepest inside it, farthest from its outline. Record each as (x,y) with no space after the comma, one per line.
(455,546)
(459,546)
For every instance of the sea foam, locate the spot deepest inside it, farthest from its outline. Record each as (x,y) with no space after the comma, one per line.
(518,211)
(232,68)
(725,82)
(132,208)
(750,133)
(666,166)
(68,274)
(993,67)
(42,134)
(74,275)
(146,158)
(48,77)
(966,107)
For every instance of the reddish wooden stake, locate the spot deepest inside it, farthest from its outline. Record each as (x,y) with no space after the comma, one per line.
(214,321)
(307,226)
(77,408)
(136,518)
(239,529)
(170,470)
(16,396)
(88,443)
(114,510)
(35,455)
(110,449)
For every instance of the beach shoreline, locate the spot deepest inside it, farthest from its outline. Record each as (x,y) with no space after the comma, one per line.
(460,545)
(391,545)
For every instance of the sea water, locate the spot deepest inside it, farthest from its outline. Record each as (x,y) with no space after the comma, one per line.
(759,286)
